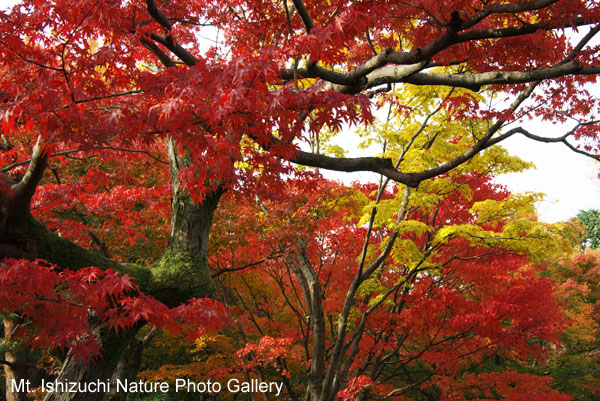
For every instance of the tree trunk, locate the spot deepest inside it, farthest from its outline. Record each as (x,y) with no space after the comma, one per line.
(181,273)
(128,366)
(15,367)
(99,370)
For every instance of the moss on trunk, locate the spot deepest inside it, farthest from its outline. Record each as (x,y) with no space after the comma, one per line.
(179,276)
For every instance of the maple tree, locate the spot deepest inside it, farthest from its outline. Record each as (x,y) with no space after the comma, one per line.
(574,365)
(129,87)
(455,293)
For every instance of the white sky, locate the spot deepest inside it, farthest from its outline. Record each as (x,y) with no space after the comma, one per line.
(570,181)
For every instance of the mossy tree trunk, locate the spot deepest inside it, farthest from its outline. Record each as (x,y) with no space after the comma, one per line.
(180,274)
(183,272)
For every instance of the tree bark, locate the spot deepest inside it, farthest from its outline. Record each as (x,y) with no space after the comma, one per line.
(15,367)
(183,271)
(99,370)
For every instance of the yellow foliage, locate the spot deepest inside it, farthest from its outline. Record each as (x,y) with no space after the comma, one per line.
(405,252)
(213,342)
(516,205)
(370,286)
(413,226)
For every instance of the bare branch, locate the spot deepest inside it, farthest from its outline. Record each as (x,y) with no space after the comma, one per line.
(499,8)
(112,95)
(561,139)
(402,213)
(452,36)
(411,74)
(476,81)
(583,42)
(422,127)
(154,49)
(167,41)
(28,60)
(158,15)
(148,337)
(5,362)
(377,165)
(272,255)
(184,55)
(304,15)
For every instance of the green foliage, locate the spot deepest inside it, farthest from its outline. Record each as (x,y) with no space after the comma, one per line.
(591,220)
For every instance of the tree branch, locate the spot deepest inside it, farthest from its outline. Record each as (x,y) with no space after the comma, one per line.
(68,152)
(188,58)
(28,60)
(474,82)
(452,36)
(158,15)
(499,8)
(154,49)
(304,15)
(561,139)
(167,41)
(23,191)
(582,43)
(5,362)
(386,168)
(378,165)
(112,95)
(272,255)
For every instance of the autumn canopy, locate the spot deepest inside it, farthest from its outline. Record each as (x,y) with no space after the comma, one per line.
(162,183)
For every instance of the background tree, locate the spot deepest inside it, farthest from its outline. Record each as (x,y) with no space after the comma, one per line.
(575,365)
(590,220)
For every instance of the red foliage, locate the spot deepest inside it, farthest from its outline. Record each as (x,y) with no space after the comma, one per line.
(56,306)
(93,78)
(486,302)
(509,385)
(85,77)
